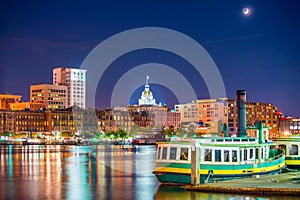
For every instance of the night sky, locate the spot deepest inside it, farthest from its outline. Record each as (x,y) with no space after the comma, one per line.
(259,52)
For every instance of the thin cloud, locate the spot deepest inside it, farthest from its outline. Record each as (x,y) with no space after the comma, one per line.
(39,46)
(71,36)
(240,38)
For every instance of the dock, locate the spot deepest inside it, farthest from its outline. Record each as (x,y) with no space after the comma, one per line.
(280,184)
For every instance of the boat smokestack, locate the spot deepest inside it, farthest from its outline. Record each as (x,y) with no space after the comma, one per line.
(241,112)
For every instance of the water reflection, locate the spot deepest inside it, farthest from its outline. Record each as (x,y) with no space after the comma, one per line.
(108,172)
(52,172)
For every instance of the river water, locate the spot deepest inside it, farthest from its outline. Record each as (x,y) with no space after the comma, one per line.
(108,172)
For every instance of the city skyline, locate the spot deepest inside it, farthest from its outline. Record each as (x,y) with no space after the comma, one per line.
(259,52)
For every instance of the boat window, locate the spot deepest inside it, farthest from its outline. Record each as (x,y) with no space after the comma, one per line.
(293,149)
(184,153)
(282,147)
(173,151)
(256,153)
(207,156)
(164,153)
(242,156)
(234,156)
(158,152)
(217,155)
(251,154)
(226,155)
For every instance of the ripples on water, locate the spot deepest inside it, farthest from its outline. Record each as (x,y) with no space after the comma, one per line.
(108,172)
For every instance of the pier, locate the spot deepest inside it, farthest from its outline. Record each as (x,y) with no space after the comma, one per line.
(280,184)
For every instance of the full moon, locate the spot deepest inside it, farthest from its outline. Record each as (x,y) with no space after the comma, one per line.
(247,11)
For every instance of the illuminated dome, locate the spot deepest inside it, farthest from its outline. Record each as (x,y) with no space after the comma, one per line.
(147,96)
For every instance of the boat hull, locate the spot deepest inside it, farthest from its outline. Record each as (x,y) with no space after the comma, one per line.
(178,173)
(292,162)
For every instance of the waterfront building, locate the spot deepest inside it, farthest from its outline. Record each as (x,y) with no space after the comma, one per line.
(122,118)
(216,112)
(49,122)
(148,114)
(75,80)
(211,112)
(27,106)
(105,119)
(264,112)
(7,121)
(6,99)
(288,126)
(22,121)
(68,120)
(53,96)
(173,119)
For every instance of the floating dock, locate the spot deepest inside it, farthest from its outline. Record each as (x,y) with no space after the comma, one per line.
(280,184)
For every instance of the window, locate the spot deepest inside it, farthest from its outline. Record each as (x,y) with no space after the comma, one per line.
(226,155)
(207,156)
(184,154)
(262,153)
(241,155)
(218,155)
(158,152)
(251,154)
(173,151)
(293,149)
(283,147)
(234,156)
(164,153)
(256,153)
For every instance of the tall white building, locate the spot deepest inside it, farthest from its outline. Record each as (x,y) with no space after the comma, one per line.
(75,80)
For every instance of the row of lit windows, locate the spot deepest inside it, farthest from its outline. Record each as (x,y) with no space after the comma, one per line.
(25,123)
(39,90)
(29,117)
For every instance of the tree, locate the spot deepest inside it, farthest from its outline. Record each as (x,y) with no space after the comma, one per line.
(170,131)
(121,133)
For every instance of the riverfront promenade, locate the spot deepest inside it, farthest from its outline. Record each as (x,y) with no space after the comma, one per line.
(280,184)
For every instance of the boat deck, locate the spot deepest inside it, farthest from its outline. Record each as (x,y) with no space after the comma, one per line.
(280,184)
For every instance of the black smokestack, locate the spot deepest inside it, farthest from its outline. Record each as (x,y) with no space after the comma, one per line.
(241,112)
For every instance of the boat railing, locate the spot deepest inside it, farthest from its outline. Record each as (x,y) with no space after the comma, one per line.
(275,154)
(231,140)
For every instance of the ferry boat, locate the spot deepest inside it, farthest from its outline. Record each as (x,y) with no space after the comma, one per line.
(220,158)
(291,147)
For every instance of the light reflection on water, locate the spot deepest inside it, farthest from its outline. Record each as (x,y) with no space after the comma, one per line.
(109,172)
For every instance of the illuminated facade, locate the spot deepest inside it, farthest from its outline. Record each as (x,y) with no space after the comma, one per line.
(264,112)
(6,99)
(26,105)
(147,96)
(105,119)
(22,121)
(289,126)
(75,80)
(122,118)
(212,112)
(216,112)
(53,96)
(47,122)
(64,121)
